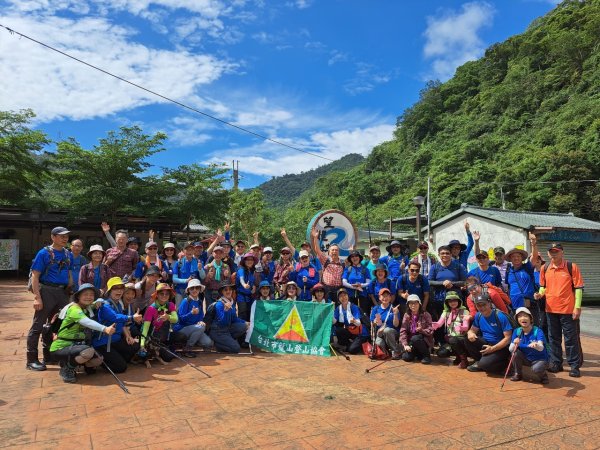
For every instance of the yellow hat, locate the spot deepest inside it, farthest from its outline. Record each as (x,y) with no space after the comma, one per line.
(114,281)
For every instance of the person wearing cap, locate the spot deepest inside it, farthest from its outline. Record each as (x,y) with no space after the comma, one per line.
(265,291)
(78,261)
(529,344)
(268,265)
(190,324)
(217,270)
(425,259)
(501,264)
(455,321)
(121,259)
(145,288)
(519,275)
(562,285)
(446,275)
(199,253)
(372,261)
(333,267)
(378,282)
(51,278)
(111,310)
(385,318)
(169,259)
(412,283)
(290,291)
(134,242)
(307,247)
(283,268)
(151,259)
(240,250)
(95,272)
(305,275)
(475,289)
(395,260)
(132,330)
(356,280)
(318,294)
(245,283)
(490,351)
(348,330)
(485,272)
(70,346)
(460,252)
(186,269)
(159,317)
(416,332)
(227,328)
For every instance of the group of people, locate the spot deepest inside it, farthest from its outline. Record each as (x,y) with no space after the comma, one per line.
(126,308)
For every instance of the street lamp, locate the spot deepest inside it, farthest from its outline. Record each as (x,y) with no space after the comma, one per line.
(419,201)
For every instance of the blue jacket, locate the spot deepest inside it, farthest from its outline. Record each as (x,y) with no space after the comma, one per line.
(76,268)
(384,315)
(56,272)
(309,272)
(109,313)
(249,278)
(438,273)
(184,269)
(224,319)
(185,316)
(354,275)
(393,264)
(463,257)
(343,318)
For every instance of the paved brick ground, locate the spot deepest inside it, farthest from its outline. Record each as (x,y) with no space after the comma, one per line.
(270,401)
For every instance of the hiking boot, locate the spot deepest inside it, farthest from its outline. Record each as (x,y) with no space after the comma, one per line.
(555,368)
(188,353)
(574,372)
(36,366)
(516,377)
(544,379)
(89,370)
(463,362)
(457,361)
(67,373)
(396,356)
(474,367)
(426,360)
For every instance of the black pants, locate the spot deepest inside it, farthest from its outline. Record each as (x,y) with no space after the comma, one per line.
(244,310)
(435,309)
(494,362)
(419,348)
(457,343)
(69,353)
(53,299)
(352,342)
(560,325)
(120,354)
(331,294)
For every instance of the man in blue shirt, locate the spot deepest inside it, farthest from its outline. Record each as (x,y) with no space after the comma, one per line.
(519,277)
(490,350)
(485,272)
(395,260)
(460,252)
(51,279)
(78,261)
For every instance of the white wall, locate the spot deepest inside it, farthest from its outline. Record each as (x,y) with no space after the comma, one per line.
(493,234)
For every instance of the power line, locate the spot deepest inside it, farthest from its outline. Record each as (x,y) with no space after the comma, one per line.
(183,105)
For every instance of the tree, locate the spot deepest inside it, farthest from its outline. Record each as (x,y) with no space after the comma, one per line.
(197,194)
(108,178)
(22,173)
(246,212)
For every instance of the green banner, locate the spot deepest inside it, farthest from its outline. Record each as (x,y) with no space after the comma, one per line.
(298,328)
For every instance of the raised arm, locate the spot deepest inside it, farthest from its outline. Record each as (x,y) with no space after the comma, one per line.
(287,241)
(106,228)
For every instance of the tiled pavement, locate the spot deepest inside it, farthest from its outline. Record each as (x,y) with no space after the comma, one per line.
(270,401)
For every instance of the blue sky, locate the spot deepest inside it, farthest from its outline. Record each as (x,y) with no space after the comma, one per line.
(327,76)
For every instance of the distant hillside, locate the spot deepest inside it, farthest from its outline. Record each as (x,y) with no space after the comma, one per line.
(281,191)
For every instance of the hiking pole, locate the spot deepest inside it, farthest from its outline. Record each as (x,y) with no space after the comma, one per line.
(512,357)
(334,352)
(343,354)
(119,382)
(181,359)
(376,365)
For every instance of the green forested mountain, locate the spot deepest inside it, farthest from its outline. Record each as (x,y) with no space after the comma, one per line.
(527,112)
(281,191)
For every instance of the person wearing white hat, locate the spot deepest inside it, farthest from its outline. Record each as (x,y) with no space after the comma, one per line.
(529,344)
(268,265)
(95,272)
(416,332)
(191,315)
(169,259)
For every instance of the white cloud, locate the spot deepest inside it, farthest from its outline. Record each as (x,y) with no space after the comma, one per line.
(56,87)
(366,78)
(270,159)
(453,37)
(336,57)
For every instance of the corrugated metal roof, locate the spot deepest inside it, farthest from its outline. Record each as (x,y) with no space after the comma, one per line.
(525,219)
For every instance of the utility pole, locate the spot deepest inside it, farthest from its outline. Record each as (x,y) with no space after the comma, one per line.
(502,198)
(236,174)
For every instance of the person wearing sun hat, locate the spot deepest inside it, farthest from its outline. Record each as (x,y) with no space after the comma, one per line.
(455,320)
(246,284)
(356,279)
(169,259)
(191,315)
(318,293)
(151,259)
(265,291)
(529,344)
(424,258)
(395,260)
(158,318)
(460,252)
(520,275)
(95,272)
(416,332)
(227,327)
(348,330)
(379,281)
(372,261)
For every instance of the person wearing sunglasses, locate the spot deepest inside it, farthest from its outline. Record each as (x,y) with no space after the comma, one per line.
(485,272)
(413,283)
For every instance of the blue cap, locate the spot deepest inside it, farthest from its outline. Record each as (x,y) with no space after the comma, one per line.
(264,283)
(85,287)
(59,230)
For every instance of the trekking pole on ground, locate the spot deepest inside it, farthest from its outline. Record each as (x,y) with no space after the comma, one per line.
(512,357)
(376,365)
(334,352)
(181,359)
(343,354)
(119,382)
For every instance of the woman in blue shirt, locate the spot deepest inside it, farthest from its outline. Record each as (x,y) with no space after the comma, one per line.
(246,284)
(529,343)
(190,324)
(348,330)
(356,279)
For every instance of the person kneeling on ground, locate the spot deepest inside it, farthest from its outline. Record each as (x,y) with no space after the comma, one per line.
(455,320)
(528,342)
(416,332)
(490,351)
(386,320)
(348,329)
(191,315)
(159,316)
(112,310)
(70,347)
(265,291)
(318,293)
(227,327)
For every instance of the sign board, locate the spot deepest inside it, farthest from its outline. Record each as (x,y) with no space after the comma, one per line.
(334,227)
(9,254)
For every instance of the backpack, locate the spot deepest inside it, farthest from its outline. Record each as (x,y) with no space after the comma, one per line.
(503,295)
(405,279)
(511,319)
(569,268)
(51,253)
